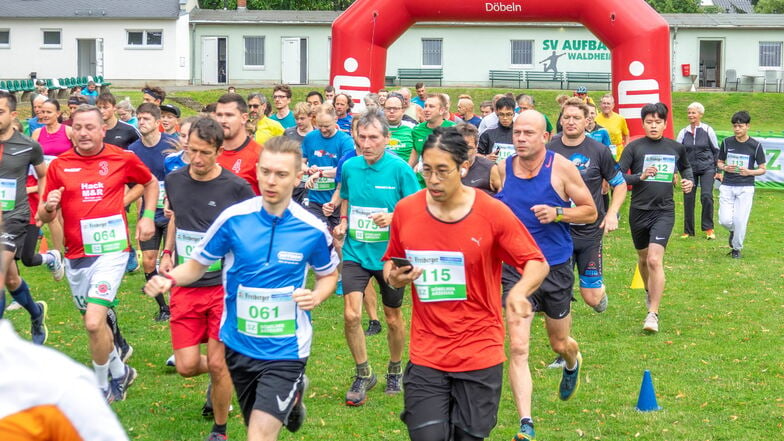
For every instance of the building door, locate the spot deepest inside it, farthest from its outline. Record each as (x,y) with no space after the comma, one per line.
(86,57)
(99,56)
(294,60)
(711,69)
(214,60)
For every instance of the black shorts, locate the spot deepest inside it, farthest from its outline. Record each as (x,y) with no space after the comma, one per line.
(356,278)
(468,400)
(553,297)
(588,259)
(270,386)
(650,226)
(331,221)
(300,193)
(154,244)
(13,237)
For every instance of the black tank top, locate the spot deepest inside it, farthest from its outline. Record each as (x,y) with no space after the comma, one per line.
(478,175)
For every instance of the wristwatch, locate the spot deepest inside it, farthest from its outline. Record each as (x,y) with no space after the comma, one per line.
(558,214)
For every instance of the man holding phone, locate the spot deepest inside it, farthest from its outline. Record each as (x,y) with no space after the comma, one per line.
(371,184)
(496,144)
(456,238)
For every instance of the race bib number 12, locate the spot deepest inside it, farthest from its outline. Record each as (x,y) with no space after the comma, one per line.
(665,167)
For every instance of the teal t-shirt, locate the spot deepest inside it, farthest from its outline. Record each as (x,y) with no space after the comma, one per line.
(369,189)
(401,141)
(287,121)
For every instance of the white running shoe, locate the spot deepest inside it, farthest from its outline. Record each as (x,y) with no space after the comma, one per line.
(651,323)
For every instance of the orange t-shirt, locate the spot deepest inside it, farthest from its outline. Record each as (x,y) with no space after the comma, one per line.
(242,162)
(460,335)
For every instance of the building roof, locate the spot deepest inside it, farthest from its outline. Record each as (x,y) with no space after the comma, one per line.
(732,6)
(219,16)
(80,9)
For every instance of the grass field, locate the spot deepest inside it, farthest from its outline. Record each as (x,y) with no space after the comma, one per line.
(717,363)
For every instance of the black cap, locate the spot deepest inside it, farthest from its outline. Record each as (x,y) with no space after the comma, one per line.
(171,109)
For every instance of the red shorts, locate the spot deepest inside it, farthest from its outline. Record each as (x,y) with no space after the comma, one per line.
(195,315)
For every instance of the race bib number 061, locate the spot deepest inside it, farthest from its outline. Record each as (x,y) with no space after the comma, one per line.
(266,312)
(443,275)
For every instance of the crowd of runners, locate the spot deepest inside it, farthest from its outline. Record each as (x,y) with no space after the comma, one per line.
(237,205)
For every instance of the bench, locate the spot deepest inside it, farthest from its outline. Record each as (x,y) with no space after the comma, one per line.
(588,77)
(507,75)
(389,80)
(543,77)
(420,74)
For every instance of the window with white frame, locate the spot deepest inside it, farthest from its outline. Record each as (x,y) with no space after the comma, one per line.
(5,38)
(52,38)
(144,38)
(770,54)
(522,53)
(254,51)
(431,52)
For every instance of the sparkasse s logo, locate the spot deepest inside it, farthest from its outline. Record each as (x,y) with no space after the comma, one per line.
(508,6)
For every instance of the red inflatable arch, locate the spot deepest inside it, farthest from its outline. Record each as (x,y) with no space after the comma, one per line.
(637,36)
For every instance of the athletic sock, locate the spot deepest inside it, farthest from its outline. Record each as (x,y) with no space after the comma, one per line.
(573,368)
(148,276)
(363,369)
(528,420)
(23,297)
(46,258)
(116,366)
(102,374)
(159,298)
(219,428)
(395,367)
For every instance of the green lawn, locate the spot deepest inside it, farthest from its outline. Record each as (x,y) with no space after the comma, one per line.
(716,364)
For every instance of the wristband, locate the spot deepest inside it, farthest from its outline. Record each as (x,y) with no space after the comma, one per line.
(168,276)
(167,253)
(343,217)
(148,214)
(558,214)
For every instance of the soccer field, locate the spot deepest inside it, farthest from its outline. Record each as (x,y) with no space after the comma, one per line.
(716,364)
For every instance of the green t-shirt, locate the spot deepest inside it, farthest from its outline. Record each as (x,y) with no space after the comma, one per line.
(422,131)
(370,189)
(401,141)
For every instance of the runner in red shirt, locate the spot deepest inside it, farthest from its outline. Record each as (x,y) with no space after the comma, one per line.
(240,152)
(455,239)
(87,184)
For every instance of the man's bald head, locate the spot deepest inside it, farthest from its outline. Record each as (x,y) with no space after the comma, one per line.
(534,118)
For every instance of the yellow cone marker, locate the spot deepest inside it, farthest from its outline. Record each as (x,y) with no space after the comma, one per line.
(637,282)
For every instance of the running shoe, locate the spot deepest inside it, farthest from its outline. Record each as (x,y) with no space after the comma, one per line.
(126,351)
(38,329)
(298,411)
(339,288)
(108,395)
(56,266)
(602,305)
(374,327)
(13,306)
(357,394)
(685,235)
(394,383)
(171,361)
(163,315)
(570,381)
(133,261)
(206,410)
(215,436)
(710,234)
(735,254)
(651,323)
(119,386)
(558,363)
(526,432)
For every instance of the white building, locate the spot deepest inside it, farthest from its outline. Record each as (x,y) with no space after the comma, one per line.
(128,42)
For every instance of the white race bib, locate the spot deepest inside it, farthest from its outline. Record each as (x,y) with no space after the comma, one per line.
(263,312)
(665,167)
(362,228)
(504,151)
(613,150)
(443,275)
(7,194)
(737,160)
(104,235)
(161,193)
(186,242)
(324,183)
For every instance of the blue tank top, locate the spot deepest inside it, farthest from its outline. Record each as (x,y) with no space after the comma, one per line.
(521,194)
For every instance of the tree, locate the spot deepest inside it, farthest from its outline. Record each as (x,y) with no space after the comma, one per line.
(675,6)
(769,7)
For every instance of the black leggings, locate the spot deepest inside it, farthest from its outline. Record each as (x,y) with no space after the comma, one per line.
(29,256)
(441,432)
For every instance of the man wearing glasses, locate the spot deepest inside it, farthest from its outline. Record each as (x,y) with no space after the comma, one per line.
(258,112)
(496,144)
(401,136)
(281,96)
